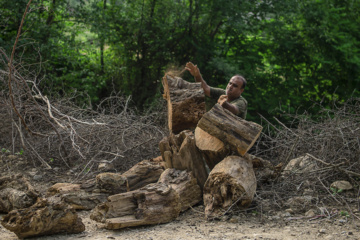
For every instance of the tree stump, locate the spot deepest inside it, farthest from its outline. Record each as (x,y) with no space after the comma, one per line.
(153,204)
(232,181)
(184,184)
(180,152)
(185,101)
(212,148)
(46,217)
(16,192)
(238,133)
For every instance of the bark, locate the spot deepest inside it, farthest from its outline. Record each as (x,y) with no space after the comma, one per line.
(16,192)
(184,184)
(231,182)
(153,204)
(212,148)
(89,194)
(180,152)
(46,217)
(234,131)
(185,101)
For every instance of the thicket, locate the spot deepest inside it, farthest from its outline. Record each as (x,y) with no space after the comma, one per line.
(293,53)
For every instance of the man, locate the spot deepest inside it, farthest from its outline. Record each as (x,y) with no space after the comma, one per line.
(230,98)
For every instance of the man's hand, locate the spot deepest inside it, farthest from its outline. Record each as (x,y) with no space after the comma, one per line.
(222,99)
(194,70)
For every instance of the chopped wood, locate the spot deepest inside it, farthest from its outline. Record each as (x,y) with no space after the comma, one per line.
(185,101)
(232,130)
(181,153)
(16,192)
(184,183)
(46,217)
(89,194)
(212,148)
(153,204)
(231,182)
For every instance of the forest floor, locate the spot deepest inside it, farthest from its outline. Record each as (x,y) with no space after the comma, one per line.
(192,224)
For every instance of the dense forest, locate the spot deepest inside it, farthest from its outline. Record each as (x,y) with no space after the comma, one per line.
(294,54)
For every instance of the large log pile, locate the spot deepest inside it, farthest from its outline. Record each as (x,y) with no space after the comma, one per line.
(154,192)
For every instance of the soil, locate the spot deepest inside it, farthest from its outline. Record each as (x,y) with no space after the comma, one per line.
(191,224)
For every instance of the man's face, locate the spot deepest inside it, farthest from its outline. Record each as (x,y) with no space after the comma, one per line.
(233,89)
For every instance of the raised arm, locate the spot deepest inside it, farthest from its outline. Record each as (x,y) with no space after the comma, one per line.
(194,70)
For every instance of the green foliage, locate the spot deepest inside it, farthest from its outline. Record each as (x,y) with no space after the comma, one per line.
(292,53)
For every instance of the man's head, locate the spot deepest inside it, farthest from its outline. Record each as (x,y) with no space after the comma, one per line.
(235,87)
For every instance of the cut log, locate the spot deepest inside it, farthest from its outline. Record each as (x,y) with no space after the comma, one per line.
(88,195)
(212,148)
(153,204)
(232,130)
(143,173)
(16,192)
(184,184)
(185,101)
(46,217)
(231,182)
(184,154)
(78,197)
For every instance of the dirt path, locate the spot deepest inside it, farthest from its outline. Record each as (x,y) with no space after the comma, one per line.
(192,225)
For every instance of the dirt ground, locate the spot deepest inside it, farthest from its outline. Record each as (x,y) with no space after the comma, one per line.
(191,224)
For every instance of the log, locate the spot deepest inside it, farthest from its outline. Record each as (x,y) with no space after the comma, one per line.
(180,152)
(232,130)
(185,101)
(46,217)
(212,148)
(89,194)
(184,184)
(77,196)
(231,182)
(153,204)
(16,192)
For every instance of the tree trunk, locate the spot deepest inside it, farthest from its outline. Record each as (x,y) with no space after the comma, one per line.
(186,103)
(153,204)
(180,152)
(212,148)
(231,182)
(46,217)
(184,184)
(238,133)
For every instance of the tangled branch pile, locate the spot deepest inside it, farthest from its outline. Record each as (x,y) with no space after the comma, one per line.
(55,132)
(330,147)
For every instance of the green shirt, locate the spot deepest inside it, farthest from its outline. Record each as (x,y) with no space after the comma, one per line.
(240,102)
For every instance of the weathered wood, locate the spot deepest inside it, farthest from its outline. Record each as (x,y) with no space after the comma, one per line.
(153,204)
(234,131)
(232,181)
(184,184)
(185,101)
(46,217)
(212,148)
(77,196)
(143,173)
(184,154)
(94,191)
(16,192)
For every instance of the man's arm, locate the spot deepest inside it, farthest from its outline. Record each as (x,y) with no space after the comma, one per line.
(225,104)
(194,70)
